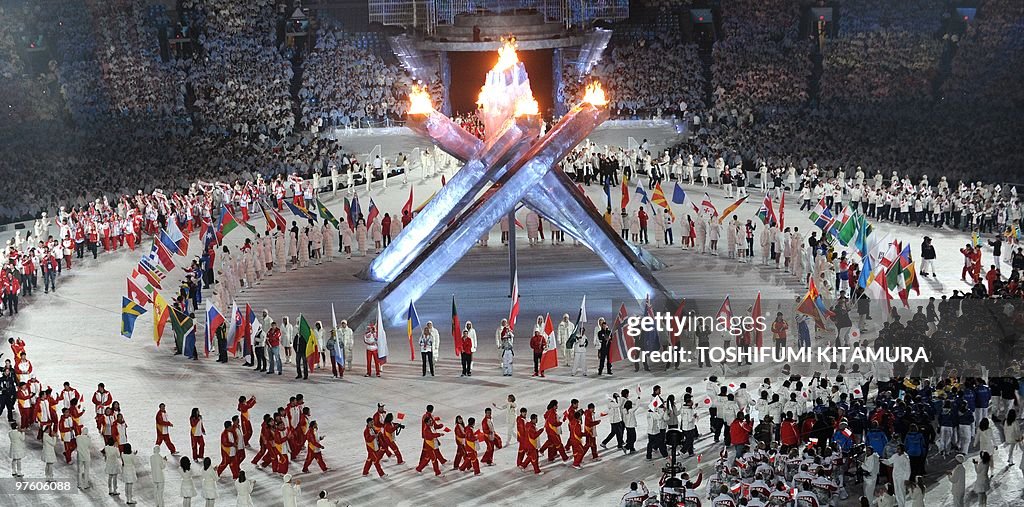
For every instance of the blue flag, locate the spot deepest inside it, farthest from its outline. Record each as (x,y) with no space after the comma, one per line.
(643,194)
(301,211)
(678,195)
(169,243)
(865,273)
(608,193)
(129,312)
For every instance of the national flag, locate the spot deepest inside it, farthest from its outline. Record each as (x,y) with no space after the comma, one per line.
(169,243)
(129,312)
(866,274)
(863,232)
(625,196)
(855,335)
(677,334)
(312,352)
(349,217)
(549,359)
(782,212)
(162,256)
(826,222)
(608,193)
(643,194)
(650,338)
(160,315)
(184,332)
(412,321)
(678,194)
(175,234)
(732,207)
(975,240)
(356,209)
(226,223)
(150,273)
(371,212)
(818,210)
(382,337)
(456,329)
(326,214)
(241,330)
(214,320)
(813,306)
(907,270)
(581,317)
(424,203)
(300,211)
(658,198)
(707,206)
(407,208)
(850,226)
(754,314)
(274,218)
(621,340)
(253,327)
(724,314)
(339,351)
(766,213)
(140,295)
(514,311)
(234,320)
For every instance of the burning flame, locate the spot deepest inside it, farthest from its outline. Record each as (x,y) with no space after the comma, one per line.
(507,57)
(594,95)
(419,101)
(527,105)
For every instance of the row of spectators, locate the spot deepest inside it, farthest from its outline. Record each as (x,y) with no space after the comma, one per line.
(657,77)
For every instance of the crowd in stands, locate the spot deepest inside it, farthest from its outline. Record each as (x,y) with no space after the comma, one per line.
(658,77)
(345,86)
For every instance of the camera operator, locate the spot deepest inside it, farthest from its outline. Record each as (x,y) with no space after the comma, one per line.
(636,496)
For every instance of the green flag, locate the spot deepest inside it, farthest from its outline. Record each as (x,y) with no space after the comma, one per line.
(326,214)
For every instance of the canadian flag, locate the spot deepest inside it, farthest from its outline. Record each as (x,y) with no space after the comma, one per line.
(550,357)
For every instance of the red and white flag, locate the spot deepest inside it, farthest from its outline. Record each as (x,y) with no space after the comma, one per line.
(514,311)
(550,357)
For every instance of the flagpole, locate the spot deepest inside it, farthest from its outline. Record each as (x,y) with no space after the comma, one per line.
(512,264)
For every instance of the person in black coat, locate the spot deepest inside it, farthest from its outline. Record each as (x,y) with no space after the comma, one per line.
(927,257)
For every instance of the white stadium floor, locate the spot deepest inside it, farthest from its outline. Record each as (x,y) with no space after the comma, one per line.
(72,335)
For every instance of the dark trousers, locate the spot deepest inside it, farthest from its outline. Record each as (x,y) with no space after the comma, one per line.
(261,358)
(79,249)
(7,404)
(630,440)
(689,437)
(617,430)
(536,362)
(222,350)
(301,365)
(467,363)
(656,442)
(602,356)
(428,360)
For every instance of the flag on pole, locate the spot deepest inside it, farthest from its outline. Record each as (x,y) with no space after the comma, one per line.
(813,306)
(235,322)
(766,213)
(371,212)
(312,352)
(339,351)
(382,337)
(608,193)
(226,223)
(175,234)
(732,207)
(356,209)
(754,314)
(644,199)
(160,316)
(214,320)
(549,359)
(676,334)
(274,218)
(621,341)
(514,311)
(129,312)
(138,294)
(782,212)
(456,329)
(407,208)
(300,211)
(678,194)
(169,243)
(162,255)
(412,321)
(707,206)
(253,326)
(184,332)
(582,317)
(658,198)
(347,210)
(242,331)
(326,214)
(625,196)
